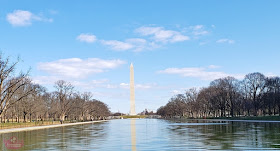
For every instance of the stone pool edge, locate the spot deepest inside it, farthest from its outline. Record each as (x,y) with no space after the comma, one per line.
(45,126)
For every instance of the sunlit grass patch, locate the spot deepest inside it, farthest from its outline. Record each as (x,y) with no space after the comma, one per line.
(134,116)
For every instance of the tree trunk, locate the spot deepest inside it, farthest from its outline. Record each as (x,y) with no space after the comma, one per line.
(30,117)
(62,117)
(24,117)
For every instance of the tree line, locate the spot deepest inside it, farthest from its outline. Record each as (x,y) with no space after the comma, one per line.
(255,95)
(23,100)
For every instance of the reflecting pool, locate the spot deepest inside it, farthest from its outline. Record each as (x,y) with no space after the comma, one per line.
(153,134)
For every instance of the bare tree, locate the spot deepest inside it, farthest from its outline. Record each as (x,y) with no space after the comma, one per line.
(228,97)
(97,109)
(22,99)
(255,85)
(64,91)
(191,98)
(9,86)
(79,107)
(272,95)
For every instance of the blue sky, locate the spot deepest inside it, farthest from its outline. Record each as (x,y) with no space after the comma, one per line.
(173,45)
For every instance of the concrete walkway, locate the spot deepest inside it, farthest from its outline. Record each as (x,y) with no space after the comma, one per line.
(45,126)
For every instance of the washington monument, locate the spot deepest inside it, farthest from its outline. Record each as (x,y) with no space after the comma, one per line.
(132,93)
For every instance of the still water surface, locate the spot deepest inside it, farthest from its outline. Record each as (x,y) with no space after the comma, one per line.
(153,134)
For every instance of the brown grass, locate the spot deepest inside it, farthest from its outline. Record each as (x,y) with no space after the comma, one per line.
(9,125)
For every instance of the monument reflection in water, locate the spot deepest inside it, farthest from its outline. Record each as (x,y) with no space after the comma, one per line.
(133,134)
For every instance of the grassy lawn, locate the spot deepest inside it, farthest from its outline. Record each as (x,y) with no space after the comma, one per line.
(133,116)
(9,125)
(268,118)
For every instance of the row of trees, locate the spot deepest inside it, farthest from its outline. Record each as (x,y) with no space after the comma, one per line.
(22,100)
(228,97)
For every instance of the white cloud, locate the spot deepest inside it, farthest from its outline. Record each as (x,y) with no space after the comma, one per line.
(92,84)
(229,41)
(124,85)
(145,86)
(138,43)
(50,80)
(20,18)
(145,31)
(117,45)
(105,83)
(89,38)
(270,74)
(24,18)
(213,67)
(159,34)
(86,85)
(198,27)
(151,38)
(198,33)
(45,80)
(174,92)
(79,68)
(138,86)
(199,30)
(135,44)
(200,73)
(179,37)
